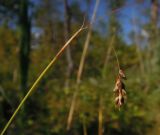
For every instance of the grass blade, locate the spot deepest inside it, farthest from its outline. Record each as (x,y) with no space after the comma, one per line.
(40,77)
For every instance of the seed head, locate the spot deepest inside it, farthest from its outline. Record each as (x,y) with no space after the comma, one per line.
(119,89)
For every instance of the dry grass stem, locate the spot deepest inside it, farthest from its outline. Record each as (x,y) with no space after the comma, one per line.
(40,77)
(79,74)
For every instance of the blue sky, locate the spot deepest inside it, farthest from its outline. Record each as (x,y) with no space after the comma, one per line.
(132,9)
(127,12)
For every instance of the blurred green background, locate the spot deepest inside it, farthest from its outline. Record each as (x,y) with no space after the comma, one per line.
(32,32)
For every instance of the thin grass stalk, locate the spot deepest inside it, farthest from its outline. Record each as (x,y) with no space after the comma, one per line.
(81,65)
(109,50)
(115,53)
(84,128)
(100,117)
(40,77)
(103,73)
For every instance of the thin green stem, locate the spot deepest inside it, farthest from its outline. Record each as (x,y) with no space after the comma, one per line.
(109,50)
(39,78)
(116,58)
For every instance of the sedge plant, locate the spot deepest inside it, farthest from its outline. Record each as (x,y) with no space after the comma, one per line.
(61,51)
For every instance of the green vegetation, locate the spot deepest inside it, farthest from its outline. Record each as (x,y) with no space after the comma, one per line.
(32,33)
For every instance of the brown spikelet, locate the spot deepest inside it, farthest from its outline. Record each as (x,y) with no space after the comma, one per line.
(119,89)
(121,74)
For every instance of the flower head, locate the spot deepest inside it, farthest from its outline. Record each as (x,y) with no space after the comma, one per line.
(119,89)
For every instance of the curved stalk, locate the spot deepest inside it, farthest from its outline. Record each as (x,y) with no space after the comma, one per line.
(40,77)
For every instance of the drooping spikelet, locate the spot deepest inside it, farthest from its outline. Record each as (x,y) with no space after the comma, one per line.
(119,89)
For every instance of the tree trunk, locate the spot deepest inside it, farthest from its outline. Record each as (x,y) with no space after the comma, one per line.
(24,24)
(154,39)
(67,31)
(154,12)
